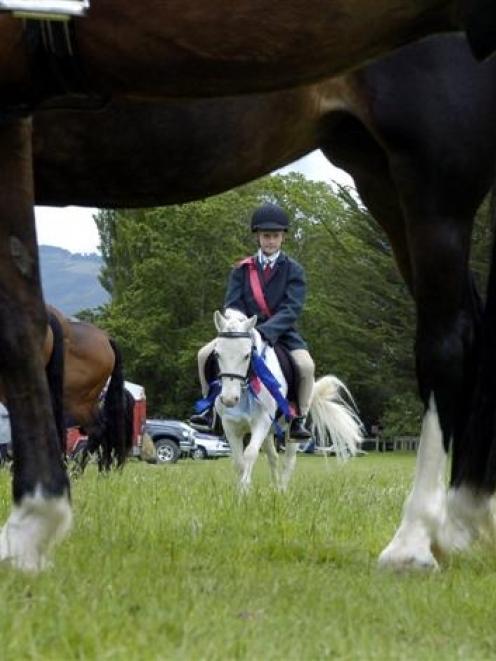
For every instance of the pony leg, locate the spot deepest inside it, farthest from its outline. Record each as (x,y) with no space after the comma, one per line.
(273,459)
(235,439)
(288,465)
(259,433)
(41,513)
(236,444)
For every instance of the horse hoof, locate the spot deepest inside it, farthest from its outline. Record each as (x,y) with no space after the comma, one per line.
(31,530)
(469,516)
(455,537)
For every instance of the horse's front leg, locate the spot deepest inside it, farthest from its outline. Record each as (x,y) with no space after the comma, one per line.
(259,432)
(41,512)
(273,459)
(424,509)
(446,319)
(234,435)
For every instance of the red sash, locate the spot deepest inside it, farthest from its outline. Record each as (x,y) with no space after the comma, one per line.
(256,287)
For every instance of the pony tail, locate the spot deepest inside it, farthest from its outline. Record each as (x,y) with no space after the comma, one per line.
(116,437)
(334,420)
(55,378)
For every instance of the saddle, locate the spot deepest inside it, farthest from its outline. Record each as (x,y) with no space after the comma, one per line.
(289,370)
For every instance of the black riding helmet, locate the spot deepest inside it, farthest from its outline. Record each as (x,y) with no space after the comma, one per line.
(269,218)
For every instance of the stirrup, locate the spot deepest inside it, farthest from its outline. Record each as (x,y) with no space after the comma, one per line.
(298,432)
(54,10)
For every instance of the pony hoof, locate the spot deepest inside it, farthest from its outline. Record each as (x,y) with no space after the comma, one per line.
(243,490)
(26,564)
(407,560)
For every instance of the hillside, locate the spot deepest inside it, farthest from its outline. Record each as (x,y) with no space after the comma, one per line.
(70,280)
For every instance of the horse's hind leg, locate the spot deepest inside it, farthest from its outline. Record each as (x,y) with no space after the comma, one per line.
(41,511)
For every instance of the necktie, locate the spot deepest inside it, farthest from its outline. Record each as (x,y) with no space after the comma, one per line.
(267,270)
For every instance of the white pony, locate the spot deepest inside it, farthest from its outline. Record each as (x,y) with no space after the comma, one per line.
(244,412)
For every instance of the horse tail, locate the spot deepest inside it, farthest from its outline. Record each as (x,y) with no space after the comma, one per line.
(55,377)
(116,436)
(335,421)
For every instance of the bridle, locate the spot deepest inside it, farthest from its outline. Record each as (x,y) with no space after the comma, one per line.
(235,335)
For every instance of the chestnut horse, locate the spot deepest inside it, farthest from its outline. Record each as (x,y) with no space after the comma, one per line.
(417,133)
(153,51)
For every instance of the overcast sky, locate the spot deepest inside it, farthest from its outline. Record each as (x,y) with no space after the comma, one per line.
(74,229)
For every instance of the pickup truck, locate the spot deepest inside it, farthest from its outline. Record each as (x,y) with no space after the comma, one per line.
(172,439)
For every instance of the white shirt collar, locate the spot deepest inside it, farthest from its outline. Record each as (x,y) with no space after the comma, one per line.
(270,259)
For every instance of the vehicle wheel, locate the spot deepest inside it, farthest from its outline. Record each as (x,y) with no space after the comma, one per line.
(199,452)
(167,451)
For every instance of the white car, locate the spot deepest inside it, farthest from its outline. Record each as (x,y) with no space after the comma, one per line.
(209,446)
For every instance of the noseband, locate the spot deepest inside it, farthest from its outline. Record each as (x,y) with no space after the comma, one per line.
(234,335)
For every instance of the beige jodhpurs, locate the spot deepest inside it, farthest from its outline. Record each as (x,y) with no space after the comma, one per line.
(306,371)
(304,364)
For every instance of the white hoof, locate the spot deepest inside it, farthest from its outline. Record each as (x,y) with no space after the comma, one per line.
(32,529)
(410,548)
(399,558)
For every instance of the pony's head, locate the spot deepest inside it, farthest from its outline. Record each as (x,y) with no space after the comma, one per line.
(233,352)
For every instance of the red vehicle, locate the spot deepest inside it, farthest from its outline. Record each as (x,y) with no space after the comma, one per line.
(76,440)
(139,415)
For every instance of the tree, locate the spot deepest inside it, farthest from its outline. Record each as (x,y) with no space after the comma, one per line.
(166,269)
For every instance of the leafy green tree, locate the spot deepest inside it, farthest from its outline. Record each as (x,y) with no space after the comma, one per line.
(167,269)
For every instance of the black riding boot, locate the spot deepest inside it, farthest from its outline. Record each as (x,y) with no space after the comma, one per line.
(298,432)
(203,420)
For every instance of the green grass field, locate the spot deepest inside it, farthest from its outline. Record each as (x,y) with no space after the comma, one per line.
(168,563)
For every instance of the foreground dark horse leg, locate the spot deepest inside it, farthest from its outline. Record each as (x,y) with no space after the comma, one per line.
(423,172)
(442,167)
(41,512)
(447,322)
(474,473)
(369,165)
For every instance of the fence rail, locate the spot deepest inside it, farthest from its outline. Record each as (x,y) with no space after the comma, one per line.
(403,443)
